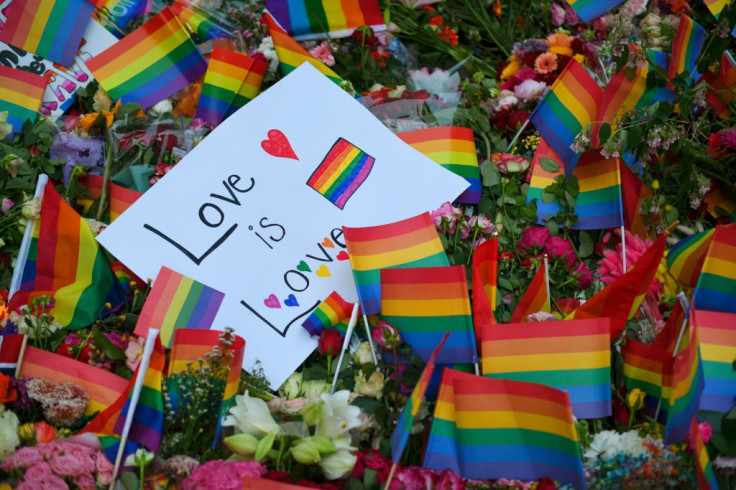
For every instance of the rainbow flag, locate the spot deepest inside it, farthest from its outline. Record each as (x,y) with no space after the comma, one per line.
(21,93)
(686,48)
(65,261)
(333,312)
(649,369)
(291,54)
(657,93)
(716,6)
(572,356)
(119,12)
(307,19)
(621,299)
(232,80)
(491,428)
(412,242)
(598,203)
(51,29)
(205,24)
(341,172)
(633,191)
(103,387)
(151,63)
(400,435)
(568,107)
(667,337)
(589,10)
(621,95)
(125,276)
(120,197)
(535,298)
(453,148)
(716,287)
(703,468)
(425,302)
(485,285)
(717,334)
(10,347)
(177,301)
(685,260)
(686,388)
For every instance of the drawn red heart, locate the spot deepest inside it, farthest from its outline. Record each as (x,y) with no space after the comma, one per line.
(278,145)
(328,243)
(343,255)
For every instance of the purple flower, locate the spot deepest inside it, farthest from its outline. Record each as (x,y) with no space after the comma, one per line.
(87,152)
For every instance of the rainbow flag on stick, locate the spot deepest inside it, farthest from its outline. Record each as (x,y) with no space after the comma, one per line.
(21,93)
(717,334)
(685,260)
(51,29)
(589,10)
(309,19)
(572,356)
(535,298)
(291,54)
(703,468)
(333,312)
(491,428)
(633,191)
(568,107)
(151,63)
(425,302)
(686,48)
(412,242)
(232,80)
(103,387)
(206,25)
(120,197)
(649,369)
(453,148)
(177,301)
(716,287)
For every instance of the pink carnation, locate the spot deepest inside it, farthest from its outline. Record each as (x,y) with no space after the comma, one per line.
(23,458)
(69,465)
(223,475)
(323,53)
(558,14)
(37,473)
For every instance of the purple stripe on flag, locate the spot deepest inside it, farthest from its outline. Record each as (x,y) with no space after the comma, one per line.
(145,435)
(84,17)
(169,82)
(213,306)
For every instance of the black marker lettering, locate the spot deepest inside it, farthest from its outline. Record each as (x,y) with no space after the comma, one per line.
(190,255)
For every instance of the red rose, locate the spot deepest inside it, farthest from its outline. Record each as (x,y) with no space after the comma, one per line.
(374,460)
(330,342)
(546,484)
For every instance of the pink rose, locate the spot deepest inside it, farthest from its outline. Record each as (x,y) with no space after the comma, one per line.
(38,472)
(585,278)
(463,228)
(559,248)
(571,17)
(449,480)
(558,14)
(67,465)
(323,53)
(23,458)
(444,218)
(533,240)
(386,335)
(85,482)
(407,479)
(481,224)
(104,468)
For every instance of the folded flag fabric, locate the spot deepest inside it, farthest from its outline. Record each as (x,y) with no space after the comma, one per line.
(621,299)
(485,285)
(231,81)
(65,261)
(716,287)
(204,24)
(10,346)
(453,148)
(571,103)
(126,278)
(649,369)
(120,197)
(656,93)
(103,387)
(151,63)
(633,192)
(717,335)
(51,29)
(535,298)
(119,12)
(405,422)
(305,19)
(491,428)
(334,312)
(425,302)
(177,301)
(703,468)
(666,339)
(685,260)
(716,6)
(412,242)
(589,10)
(290,53)
(21,93)
(572,356)
(686,48)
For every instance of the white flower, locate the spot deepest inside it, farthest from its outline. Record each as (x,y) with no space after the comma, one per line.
(8,432)
(338,417)
(251,416)
(31,209)
(438,82)
(162,107)
(314,388)
(608,444)
(373,387)
(506,100)
(5,127)
(97,226)
(140,457)
(292,386)
(363,354)
(339,464)
(266,47)
(530,90)
(397,92)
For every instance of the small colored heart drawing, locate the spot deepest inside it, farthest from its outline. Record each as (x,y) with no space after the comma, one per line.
(343,255)
(291,301)
(278,145)
(272,301)
(303,266)
(323,271)
(328,243)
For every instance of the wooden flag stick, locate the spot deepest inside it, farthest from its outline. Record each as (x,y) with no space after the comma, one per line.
(345,343)
(21,354)
(390,476)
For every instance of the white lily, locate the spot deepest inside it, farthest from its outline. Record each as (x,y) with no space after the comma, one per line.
(251,416)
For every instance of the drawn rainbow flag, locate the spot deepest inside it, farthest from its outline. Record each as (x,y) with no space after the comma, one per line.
(309,19)
(341,172)
(21,93)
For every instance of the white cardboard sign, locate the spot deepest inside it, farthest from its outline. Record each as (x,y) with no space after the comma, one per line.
(237,212)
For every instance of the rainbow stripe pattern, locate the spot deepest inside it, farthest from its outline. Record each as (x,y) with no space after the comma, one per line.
(716,6)
(341,172)
(333,312)
(21,93)
(657,93)
(716,287)
(425,302)
(685,260)
(535,298)
(232,80)
(401,433)
(314,19)
(568,107)
(51,29)
(206,25)
(633,191)
(649,369)
(453,148)
(572,356)
(119,12)
(703,468)
(687,387)
(151,63)
(589,10)
(718,348)
(485,285)
(177,301)
(491,428)
(291,54)
(120,197)
(720,203)
(412,242)
(686,48)
(620,96)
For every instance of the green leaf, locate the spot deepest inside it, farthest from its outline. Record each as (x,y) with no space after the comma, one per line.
(604,133)
(549,165)
(671,215)
(370,478)
(264,446)
(548,197)
(111,350)
(585,249)
(129,480)
(553,227)
(570,200)
(490,174)
(367,404)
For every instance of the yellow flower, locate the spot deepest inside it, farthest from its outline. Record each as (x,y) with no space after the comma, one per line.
(561,50)
(635,399)
(511,69)
(580,58)
(655,184)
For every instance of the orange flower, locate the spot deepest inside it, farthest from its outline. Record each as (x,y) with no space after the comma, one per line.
(88,120)
(187,105)
(448,35)
(44,432)
(7,393)
(545,63)
(559,39)
(497,9)
(436,20)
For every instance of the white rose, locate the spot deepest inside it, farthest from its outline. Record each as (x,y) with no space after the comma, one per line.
(292,386)
(8,433)
(363,355)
